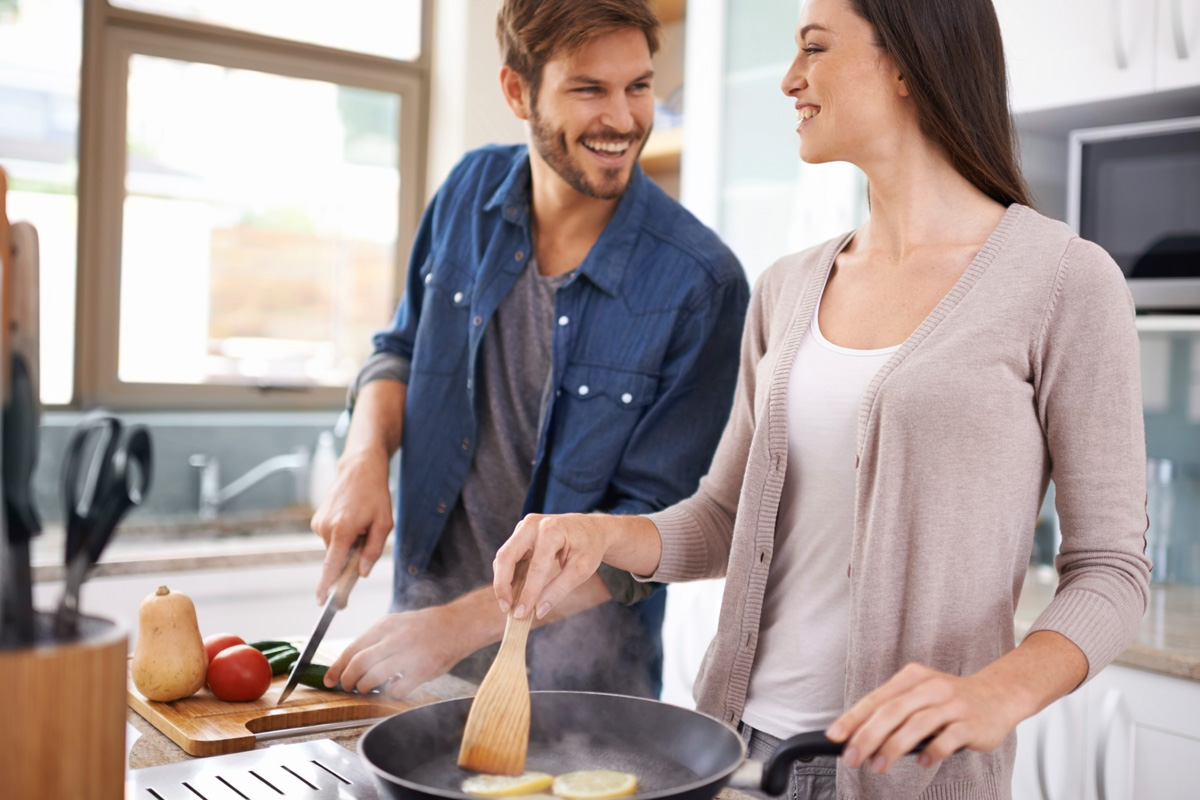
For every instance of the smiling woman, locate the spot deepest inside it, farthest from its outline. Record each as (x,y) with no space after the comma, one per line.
(907,390)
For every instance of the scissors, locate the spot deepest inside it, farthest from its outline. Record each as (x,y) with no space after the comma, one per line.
(105,473)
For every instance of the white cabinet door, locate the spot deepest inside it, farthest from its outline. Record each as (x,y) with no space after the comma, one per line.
(1145,736)
(1066,52)
(1178,44)
(1051,752)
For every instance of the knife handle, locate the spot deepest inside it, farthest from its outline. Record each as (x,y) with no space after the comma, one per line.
(349,576)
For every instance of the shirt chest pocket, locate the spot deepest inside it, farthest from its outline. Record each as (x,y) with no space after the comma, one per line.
(441,341)
(595,413)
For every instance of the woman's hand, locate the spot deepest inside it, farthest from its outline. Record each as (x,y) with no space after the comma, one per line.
(563,550)
(976,712)
(973,712)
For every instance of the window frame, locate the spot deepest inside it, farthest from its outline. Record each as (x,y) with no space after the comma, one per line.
(111,37)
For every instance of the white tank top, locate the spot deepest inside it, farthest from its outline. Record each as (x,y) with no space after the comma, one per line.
(797,682)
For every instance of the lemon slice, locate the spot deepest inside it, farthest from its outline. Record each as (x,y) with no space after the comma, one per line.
(507,785)
(594,784)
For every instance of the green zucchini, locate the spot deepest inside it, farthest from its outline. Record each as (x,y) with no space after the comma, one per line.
(314,677)
(270,644)
(282,661)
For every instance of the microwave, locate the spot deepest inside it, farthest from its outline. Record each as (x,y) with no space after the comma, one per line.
(1135,191)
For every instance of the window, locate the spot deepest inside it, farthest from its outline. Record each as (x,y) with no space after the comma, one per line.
(246,194)
(40,43)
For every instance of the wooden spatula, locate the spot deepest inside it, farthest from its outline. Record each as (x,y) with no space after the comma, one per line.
(497,733)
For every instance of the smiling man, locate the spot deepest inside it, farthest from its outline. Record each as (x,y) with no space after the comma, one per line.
(568,341)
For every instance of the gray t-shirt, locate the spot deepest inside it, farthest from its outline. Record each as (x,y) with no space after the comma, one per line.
(514,384)
(514,388)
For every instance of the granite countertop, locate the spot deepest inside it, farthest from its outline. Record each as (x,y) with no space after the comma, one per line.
(186,544)
(1168,641)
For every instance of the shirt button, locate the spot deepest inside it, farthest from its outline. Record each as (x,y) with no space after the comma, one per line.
(412,570)
(428,278)
(563,321)
(469,383)
(583,390)
(441,508)
(478,321)
(627,398)
(458,297)
(520,256)
(466,444)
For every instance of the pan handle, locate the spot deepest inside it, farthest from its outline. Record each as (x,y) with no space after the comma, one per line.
(772,777)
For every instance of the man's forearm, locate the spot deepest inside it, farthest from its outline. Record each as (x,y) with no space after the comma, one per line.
(378,420)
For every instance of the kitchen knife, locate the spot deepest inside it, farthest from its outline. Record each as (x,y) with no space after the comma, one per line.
(21,421)
(335,603)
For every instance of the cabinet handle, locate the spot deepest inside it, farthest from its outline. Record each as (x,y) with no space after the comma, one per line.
(1181,45)
(1118,30)
(1111,707)
(1043,749)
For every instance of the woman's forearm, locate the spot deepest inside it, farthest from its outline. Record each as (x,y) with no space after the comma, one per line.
(634,545)
(1043,668)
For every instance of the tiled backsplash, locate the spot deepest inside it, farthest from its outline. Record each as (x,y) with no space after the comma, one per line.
(239,441)
(1171,399)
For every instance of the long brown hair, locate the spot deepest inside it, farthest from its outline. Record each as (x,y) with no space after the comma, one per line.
(531,32)
(952,60)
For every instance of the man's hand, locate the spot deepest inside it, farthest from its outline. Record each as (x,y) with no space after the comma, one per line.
(403,651)
(358,503)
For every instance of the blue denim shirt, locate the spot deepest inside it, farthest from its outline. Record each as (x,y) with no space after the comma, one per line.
(645,351)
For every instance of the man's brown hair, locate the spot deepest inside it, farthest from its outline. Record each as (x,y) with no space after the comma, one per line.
(531,32)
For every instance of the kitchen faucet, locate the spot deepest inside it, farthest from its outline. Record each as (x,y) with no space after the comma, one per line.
(212,496)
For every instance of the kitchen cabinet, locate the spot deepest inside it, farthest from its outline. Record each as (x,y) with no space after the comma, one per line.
(1178,49)
(1069,52)
(1144,732)
(1127,735)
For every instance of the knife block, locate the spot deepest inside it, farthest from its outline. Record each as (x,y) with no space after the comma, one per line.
(62,724)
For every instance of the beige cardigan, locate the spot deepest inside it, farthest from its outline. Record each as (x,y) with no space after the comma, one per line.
(1026,370)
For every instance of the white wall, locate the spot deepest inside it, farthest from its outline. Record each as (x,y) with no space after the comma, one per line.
(466,108)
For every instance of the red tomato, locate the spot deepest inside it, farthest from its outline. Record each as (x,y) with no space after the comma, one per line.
(218,642)
(239,673)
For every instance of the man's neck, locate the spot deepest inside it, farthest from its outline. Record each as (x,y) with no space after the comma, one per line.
(566,222)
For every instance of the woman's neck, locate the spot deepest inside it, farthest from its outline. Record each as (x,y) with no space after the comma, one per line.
(918,200)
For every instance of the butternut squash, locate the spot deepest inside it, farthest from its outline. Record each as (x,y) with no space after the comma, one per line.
(169,660)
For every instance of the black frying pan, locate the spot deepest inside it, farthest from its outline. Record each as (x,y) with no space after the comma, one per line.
(675,752)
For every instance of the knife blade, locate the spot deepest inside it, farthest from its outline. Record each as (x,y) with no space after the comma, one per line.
(335,603)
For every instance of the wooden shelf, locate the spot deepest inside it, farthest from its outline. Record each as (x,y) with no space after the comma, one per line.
(670,10)
(663,150)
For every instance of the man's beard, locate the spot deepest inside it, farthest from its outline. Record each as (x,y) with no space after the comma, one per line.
(552,146)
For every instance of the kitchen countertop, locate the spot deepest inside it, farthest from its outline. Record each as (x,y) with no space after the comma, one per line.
(1168,641)
(188,544)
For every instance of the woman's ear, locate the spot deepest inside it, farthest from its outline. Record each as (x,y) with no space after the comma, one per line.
(901,85)
(515,91)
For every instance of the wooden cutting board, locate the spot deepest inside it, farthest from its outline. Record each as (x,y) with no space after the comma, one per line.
(205,726)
